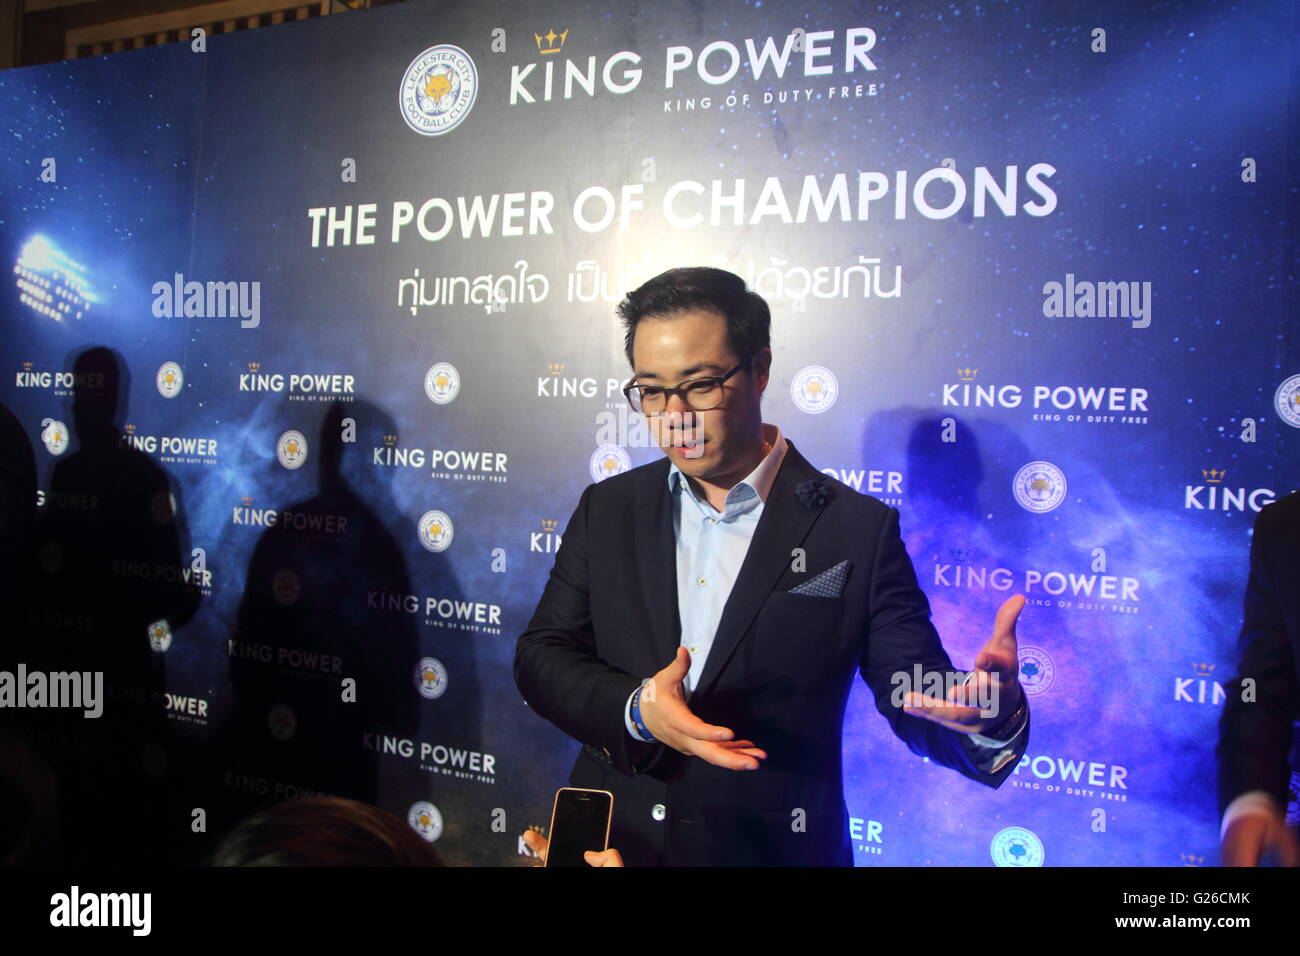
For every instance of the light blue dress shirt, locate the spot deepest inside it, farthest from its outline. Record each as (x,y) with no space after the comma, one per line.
(711,546)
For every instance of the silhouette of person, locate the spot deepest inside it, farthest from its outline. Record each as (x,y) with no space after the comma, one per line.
(105,543)
(304,627)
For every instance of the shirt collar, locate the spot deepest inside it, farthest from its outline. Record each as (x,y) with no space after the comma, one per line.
(759,481)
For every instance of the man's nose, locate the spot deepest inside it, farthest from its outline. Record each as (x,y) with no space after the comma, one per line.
(677,402)
(680,414)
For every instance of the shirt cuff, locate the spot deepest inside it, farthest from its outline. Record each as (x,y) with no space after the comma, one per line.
(981,741)
(627,719)
(1246,804)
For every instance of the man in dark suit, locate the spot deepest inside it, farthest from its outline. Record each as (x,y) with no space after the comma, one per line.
(765,586)
(1256,727)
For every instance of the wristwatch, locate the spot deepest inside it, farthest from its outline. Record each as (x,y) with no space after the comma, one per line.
(998,731)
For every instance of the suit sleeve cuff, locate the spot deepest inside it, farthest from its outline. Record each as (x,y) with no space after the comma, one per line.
(991,742)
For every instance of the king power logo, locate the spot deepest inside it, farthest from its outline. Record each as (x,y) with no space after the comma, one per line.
(828,58)
(1215,493)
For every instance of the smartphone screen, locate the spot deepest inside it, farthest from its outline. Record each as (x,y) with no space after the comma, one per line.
(579,822)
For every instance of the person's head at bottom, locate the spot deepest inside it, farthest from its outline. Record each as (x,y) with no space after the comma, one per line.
(324,831)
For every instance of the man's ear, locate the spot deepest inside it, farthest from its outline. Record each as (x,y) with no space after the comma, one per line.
(761,368)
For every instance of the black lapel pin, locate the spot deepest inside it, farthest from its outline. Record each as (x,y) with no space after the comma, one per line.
(812,493)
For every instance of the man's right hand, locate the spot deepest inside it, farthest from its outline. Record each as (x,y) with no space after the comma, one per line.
(1253,835)
(665,714)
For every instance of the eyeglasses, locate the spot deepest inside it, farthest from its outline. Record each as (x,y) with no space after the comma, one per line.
(700,394)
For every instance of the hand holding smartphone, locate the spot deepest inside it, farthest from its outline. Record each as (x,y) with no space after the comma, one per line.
(580,821)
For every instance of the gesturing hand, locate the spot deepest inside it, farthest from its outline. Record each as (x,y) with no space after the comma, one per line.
(996,670)
(665,714)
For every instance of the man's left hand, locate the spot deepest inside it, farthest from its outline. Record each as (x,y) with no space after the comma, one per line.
(538,844)
(995,675)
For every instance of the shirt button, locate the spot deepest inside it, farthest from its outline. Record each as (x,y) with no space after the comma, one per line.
(694,648)
(701,581)
(658,811)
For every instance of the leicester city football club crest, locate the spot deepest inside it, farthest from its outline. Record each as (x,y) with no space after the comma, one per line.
(1287,401)
(281,722)
(54,436)
(425,820)
(160,636)
(814,389)
(169,380)
(438,90)
(286,587)
(1039,487)
(1036,669)
(608,461)
(154,760)
(436,530)
(1016,846)
(442,383)
(51,557)
(430,678)
(162,506)
(291,449)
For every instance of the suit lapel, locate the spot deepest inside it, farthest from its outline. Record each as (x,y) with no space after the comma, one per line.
(782,527)
(656,555)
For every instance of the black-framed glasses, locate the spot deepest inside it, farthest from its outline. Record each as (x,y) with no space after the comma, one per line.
(700,394)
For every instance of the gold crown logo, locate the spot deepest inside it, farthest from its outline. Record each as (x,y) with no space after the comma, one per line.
(556,367)
(254,366)
(27,366)
(958,554)
(129,429)
(550,37)
(1203,670)
(967,374)
(390,440)
(248,502)
(1213,475)
(1191,859)
(548,524)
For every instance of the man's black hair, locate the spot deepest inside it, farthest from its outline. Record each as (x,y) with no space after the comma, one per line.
(700,287)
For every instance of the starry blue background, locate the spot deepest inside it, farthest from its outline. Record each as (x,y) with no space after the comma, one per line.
(206,164)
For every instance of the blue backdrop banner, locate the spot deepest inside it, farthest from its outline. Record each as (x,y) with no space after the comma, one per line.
(310,342)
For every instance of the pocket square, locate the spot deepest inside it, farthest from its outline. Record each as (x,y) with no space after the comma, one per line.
(830,583)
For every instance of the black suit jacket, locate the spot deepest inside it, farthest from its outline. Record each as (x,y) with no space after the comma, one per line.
(779,671)
(1255,737)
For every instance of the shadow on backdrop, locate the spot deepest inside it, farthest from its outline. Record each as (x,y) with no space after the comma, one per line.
(108,593)
(313,615)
